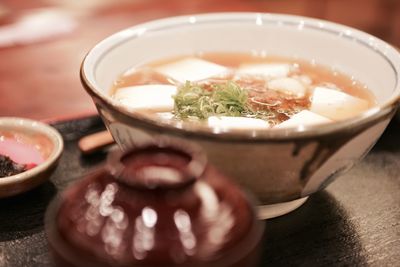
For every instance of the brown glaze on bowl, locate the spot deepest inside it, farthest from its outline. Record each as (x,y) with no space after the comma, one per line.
(154,206)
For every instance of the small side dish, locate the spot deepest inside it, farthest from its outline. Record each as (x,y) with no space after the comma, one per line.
(29,151)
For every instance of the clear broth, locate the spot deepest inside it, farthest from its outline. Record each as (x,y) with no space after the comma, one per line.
(320,75)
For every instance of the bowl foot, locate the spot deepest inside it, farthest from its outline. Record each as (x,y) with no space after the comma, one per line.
(279,209)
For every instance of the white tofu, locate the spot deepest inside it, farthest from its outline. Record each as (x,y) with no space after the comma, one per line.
(330,86)
(288,85)
(151,96)
(304,79)
(226,122)
(191,69)
(303,118)
(165,115)
(265,69)
(336,105)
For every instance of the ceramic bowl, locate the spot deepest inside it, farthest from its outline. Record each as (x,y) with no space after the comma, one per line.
(42,136)
(280,166)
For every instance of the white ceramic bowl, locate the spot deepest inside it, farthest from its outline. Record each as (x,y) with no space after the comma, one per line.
(280,166)
(51,141)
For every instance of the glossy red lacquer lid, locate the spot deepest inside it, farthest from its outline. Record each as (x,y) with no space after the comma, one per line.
(156,206)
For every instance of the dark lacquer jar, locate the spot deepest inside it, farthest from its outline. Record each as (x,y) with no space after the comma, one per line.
(154,206)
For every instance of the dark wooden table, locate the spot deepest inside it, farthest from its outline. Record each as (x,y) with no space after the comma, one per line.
(355,222)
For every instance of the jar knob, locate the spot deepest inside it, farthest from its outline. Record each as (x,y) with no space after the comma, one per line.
(152,166)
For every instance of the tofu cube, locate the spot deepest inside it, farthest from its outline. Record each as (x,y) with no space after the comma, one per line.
(270,70)
(288,85)
(226,122)
(303,118)
(336,105)
(191,69)
(165,116)
(304,79)
(152,96)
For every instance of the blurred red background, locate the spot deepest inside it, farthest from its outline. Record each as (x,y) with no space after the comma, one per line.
(40,79)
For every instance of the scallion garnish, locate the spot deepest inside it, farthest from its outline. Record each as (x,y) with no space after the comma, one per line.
(228,99)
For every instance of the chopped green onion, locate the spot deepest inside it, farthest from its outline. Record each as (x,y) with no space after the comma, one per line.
(228,99)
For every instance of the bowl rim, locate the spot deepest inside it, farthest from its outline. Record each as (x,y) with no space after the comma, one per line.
(33,126)
(365,119)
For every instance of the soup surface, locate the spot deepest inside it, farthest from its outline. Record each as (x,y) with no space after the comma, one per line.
(234,90)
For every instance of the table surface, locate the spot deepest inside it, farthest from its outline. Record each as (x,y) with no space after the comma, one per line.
(355,222)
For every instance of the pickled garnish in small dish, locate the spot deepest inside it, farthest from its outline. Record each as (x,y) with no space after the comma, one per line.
(20,152)
(8,167)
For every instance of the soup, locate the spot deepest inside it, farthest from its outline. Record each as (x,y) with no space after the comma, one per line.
(234,90)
